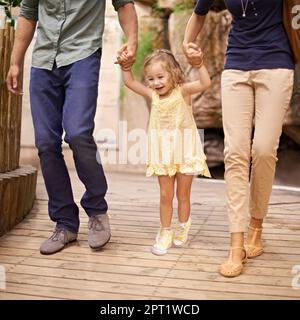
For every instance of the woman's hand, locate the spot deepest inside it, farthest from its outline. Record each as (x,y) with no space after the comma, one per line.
(193,54)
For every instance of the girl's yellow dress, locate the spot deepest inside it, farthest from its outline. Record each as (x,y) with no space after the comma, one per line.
(174,143)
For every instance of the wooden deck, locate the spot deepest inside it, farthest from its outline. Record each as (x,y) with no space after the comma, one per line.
(126,269)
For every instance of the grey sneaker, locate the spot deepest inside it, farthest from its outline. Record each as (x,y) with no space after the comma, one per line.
(59,239)
(99,231)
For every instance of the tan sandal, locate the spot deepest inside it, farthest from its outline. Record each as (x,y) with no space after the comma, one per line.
(254,251)
(230,268)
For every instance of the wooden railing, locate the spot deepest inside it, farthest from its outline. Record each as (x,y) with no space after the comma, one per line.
(17,183)
(10,110)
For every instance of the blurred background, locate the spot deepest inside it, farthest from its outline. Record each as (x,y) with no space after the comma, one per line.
(161,25)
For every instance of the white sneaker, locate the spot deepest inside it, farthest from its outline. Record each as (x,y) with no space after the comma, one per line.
(163,242)
(181,233)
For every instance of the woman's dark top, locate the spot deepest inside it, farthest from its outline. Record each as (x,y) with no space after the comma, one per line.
(258,40)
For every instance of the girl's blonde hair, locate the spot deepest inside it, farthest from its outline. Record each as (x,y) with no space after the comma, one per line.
(170,63)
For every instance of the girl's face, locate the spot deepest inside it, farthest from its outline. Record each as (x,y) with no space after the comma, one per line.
(159,79)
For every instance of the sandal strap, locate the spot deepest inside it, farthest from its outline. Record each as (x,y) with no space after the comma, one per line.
(240,248)
(255,229)
(253,246)
(233,248)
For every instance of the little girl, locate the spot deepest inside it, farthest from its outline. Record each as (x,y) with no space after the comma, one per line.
(174,147)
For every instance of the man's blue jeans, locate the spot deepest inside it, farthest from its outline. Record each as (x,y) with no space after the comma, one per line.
(65,99)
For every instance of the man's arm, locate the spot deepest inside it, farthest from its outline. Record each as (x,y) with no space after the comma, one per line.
(24,34)
(129,23)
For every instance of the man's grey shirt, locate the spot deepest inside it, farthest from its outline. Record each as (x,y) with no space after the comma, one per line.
(67,30)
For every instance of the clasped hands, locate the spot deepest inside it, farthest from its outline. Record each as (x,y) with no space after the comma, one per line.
(126,56)
(194,54)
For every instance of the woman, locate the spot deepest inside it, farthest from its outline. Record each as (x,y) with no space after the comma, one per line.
(257,84)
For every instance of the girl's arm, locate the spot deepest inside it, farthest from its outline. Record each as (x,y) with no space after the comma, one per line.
(136,86)
(200,85)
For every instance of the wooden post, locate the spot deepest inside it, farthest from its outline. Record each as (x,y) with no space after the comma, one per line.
(17,183)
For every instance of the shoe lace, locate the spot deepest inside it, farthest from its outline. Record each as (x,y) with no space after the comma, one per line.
(96,224)
(180,230)
(163,237)
(57,233)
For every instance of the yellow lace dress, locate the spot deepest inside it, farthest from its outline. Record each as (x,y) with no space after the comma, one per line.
(174,144)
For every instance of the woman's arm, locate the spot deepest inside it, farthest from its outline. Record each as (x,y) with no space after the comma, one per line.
(193,28)
(136,86)
(204,82)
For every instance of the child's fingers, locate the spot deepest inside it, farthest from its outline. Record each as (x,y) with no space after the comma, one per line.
(121,59)
(122,49)
(124,56)
(193,46)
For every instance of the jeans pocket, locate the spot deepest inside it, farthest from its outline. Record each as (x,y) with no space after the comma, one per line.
(98,53)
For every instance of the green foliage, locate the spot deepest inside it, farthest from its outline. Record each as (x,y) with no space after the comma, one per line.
(122,92)
(183,5)
(156,9)
(145,48)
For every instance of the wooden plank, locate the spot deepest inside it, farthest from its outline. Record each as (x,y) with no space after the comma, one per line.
(196,239)
(145,244)
(16,296)
(198,294)
(154,223)
(97,287)
(61,293)
(216,282)
(184,262)
(126,267)
(167,293)
(127,247)
(38,223)
(205,272)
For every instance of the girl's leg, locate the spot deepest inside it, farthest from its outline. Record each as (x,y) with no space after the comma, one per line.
(164,237)
(183,193)
(273,94)
(184,185)
(166,184)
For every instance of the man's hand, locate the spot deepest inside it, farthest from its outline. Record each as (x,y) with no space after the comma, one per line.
(193,54)
(23,36)
(13,80)
(126,56)
(129,23)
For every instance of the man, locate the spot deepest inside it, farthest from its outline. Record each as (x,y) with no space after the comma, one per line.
(63,95)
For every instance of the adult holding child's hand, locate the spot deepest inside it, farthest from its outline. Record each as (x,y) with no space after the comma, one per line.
(63,94)
(256,87)
(193,54)
(127,55)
